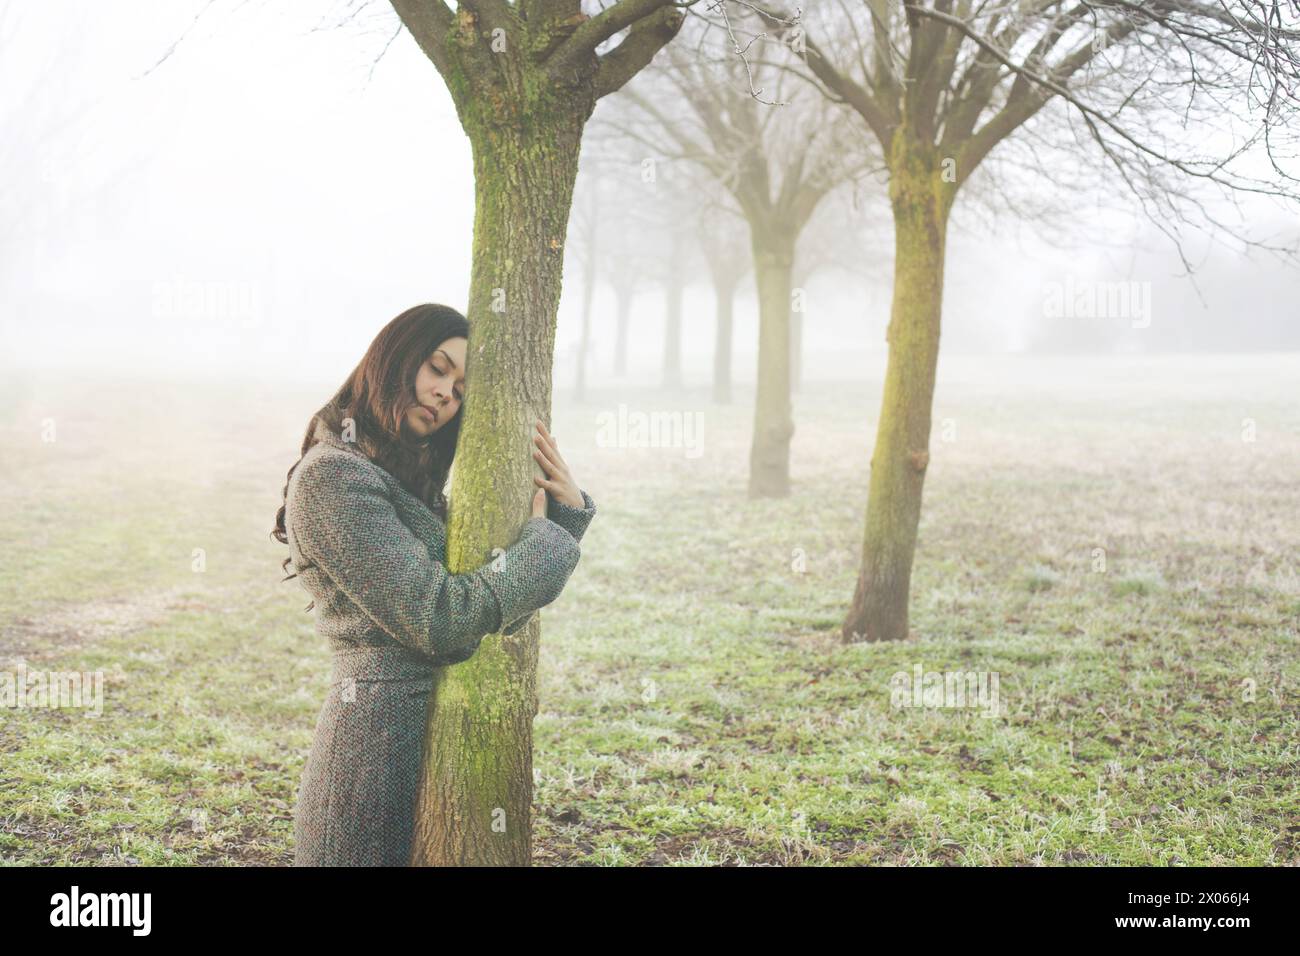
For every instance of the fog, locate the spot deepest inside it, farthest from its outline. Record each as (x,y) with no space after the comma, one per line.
(260,202)
(211,207)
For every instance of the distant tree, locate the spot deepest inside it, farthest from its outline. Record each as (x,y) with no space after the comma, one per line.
(724,246)
(841,240)
(943,85)
(777,158)
(584,244)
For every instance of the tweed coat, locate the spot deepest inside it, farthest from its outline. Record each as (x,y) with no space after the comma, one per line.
(372,555)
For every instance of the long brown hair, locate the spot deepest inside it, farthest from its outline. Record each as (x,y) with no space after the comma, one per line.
(376,397)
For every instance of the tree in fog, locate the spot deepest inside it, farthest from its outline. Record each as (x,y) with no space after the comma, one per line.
(777,151)
(524,77)
(585,247)
(633,225)
(724,247)
(674,271)
(609,226)
(59,187)
(943,85)
(624,269)
(842,239)
(667,207)
(671,221)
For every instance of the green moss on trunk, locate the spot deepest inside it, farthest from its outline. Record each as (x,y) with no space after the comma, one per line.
(476,796)
(769,456)
(921,201)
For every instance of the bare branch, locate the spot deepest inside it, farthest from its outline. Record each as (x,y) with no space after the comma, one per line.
(646,38)
(594,31)
(428,21)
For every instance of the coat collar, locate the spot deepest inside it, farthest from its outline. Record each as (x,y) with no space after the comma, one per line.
(325,434)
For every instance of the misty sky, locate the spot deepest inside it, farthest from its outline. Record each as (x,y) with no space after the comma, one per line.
(261,202)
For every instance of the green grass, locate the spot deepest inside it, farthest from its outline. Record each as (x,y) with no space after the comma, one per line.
(1125,564)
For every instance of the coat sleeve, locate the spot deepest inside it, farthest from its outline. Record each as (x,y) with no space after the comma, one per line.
(572,520)
(345,522)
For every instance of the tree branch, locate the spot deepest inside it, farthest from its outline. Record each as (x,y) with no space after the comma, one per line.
(646,38)
(593,32)
(428,21)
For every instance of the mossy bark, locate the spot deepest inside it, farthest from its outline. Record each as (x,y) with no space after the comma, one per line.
(769,456)
(921,201)
(476,798)
(524,82)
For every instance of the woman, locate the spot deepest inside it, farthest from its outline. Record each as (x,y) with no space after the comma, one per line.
(364,517)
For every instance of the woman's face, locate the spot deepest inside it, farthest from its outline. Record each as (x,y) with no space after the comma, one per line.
(439,388)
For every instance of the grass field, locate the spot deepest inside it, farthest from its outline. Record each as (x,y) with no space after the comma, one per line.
(1115,539)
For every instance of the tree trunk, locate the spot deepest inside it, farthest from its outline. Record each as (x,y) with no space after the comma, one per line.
(769,456)
(726,295)
(588,293)
(620,342)
(476,795)
(920,202)
(796,351)
(674,292)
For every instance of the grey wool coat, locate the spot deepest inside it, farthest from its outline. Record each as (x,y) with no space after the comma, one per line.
(372,555)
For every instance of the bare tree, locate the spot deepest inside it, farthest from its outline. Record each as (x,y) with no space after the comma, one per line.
(671,218)
(777,159)
(721,231)
(624,271)
(52,172)
(840,238)
(626,259)
(584,244)
(524,78)
(666,201)
(941,85)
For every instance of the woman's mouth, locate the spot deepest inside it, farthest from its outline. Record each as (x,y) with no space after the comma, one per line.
(431,412)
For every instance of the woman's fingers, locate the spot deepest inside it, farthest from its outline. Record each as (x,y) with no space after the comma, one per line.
(547,465)
(550,441)
(559,479)
(552,486)
(548,461)
(547,453)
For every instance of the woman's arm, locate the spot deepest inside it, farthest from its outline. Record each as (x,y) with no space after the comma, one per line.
(572,520)
(344,521)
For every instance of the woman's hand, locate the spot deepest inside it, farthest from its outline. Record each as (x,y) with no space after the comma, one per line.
(558,481)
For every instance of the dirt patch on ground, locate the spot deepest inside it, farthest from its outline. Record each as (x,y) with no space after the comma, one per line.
(70,626)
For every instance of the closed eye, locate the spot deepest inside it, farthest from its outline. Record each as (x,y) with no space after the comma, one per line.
(460,396)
